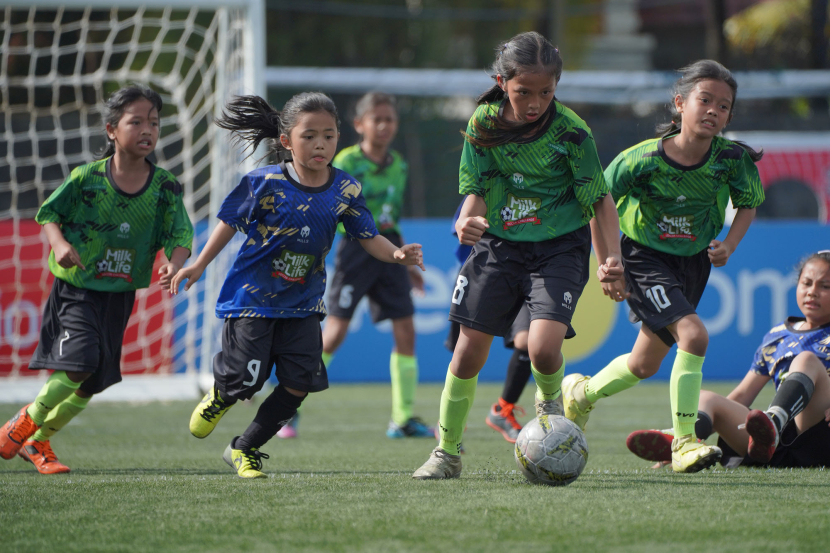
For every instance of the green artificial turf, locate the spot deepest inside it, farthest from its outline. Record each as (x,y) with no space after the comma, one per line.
(141,482)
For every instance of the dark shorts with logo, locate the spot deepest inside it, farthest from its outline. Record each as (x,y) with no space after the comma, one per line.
(82,331)
(520,323)
(664,288)
(358,274)
(500,276)
(809,449)
(251,346)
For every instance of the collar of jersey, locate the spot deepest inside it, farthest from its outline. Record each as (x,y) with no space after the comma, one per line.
(108,165)
(379,167)
(792,320)
(310,189)
(672,163)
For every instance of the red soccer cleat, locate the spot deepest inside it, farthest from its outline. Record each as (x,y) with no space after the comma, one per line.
(15,432)
(763,436)
(651,445)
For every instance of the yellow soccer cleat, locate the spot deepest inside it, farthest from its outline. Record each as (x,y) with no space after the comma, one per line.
(577,406)
(690,455)
(246,462)
(440,466)
(207,414)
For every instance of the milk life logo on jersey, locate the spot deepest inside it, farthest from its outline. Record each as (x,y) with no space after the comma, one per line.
(117,263)
(519,211)
(292,267)
(676,226)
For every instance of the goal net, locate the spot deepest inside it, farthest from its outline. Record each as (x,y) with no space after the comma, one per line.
(58,64)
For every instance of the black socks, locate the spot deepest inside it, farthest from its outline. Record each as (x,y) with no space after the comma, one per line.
(273,414)
(518,373)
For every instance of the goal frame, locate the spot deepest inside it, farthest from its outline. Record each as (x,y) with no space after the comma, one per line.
(188,384)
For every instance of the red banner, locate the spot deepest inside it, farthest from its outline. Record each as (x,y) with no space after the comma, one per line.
(25,282)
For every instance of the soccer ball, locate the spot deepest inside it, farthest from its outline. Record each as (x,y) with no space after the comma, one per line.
(551,450)
(506,213)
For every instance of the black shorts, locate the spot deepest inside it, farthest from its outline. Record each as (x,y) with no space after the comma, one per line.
(809,449)
(664,288)
(251,346)
(520,323)
(501,275)
(82,331)
(357,274)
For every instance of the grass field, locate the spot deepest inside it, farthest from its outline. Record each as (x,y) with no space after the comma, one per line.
(140,482)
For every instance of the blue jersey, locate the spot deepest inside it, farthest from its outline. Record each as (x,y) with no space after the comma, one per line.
(782,343)
(280,270)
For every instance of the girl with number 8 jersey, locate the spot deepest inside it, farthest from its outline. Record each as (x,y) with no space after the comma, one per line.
(534,181)
(671,194)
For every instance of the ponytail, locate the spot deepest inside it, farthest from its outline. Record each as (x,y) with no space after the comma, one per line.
(252,121)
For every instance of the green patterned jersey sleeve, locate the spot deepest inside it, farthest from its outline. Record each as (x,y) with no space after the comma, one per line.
(180,234)
(745,184)
(474,162)
(619,178)
(589,181)
(59,205)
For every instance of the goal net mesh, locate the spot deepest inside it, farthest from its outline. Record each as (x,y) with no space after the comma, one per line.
(57,67)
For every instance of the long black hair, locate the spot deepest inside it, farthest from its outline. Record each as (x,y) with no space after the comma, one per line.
(252,120)
(117,104)
(690,75)
(524,53)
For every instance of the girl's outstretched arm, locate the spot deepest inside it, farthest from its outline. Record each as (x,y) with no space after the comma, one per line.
(748,389)
(719,252)
(381,248)
(219,238)
(605,232)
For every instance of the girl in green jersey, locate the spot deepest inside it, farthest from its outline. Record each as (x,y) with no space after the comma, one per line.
(105,223)
(533,179)
(671,194)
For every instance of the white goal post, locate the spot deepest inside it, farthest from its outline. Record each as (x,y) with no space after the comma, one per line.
(58,63)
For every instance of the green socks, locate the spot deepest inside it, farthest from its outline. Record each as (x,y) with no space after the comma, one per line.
(613,379)
(56,389)
(686,376)
(548,386)
(58,417)
(456,400)
(404,372)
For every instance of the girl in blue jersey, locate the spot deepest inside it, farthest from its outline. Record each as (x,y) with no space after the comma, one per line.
(272,298)
(671,194)
(795,430)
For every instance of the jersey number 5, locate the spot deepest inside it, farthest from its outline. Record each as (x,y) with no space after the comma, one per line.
(458,293)
(657,295)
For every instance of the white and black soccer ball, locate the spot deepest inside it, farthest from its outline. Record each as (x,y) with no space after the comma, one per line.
(551,450)
(101,266)
(506,213)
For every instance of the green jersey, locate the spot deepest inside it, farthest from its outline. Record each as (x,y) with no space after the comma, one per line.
(383,184)
(678,209)
(116,234)
(537,190)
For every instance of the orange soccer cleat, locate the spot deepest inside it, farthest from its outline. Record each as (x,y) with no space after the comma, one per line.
(15,432)
(40,454)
